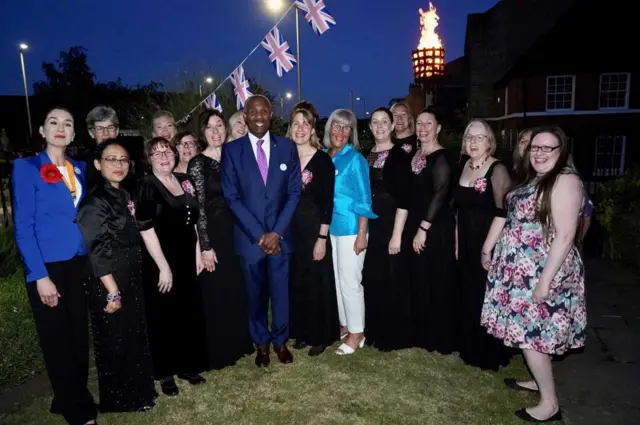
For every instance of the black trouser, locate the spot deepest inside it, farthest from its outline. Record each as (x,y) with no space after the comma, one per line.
(64,339)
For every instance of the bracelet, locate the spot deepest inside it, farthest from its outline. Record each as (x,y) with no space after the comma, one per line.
(113,297)
(322,236)
(423,229)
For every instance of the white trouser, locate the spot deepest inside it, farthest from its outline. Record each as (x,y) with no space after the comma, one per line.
(347,267)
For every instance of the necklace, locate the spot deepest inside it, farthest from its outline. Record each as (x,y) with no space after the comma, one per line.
(477,167)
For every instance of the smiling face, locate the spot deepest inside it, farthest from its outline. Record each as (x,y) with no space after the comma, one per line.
(340,133)
(58,128)
(381,126)
(401,118)
(427,128)
(186,148)
(544,152)
(164,127)
(257,115)
(239,128)
(301,130)
(476,140)
(215,131)
(113,164)
(162,158)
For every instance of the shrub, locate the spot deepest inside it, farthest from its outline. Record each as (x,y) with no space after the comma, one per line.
(9,258)
(619,213)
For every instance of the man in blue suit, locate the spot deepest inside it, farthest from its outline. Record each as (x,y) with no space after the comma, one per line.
(261,183)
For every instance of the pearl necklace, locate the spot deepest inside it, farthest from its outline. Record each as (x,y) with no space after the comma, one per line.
(477,167)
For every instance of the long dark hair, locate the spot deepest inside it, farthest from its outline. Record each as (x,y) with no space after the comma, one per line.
(545,185)
(519,160)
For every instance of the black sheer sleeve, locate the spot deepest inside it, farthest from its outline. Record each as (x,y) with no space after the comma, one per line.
(146,204)
(325,188)
(195,171)
(442,176)
(397,174)
(93,217)
(501,184)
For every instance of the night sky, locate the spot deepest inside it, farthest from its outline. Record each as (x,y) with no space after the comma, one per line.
(142,40)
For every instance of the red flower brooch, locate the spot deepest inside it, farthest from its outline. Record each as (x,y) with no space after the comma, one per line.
(50,174)
(307,176)
(132,209)
(480,184)
(188,187)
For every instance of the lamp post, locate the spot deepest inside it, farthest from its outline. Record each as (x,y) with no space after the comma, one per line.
(207,80)
(364,105)
(275,6)
(287,96)
(23,47)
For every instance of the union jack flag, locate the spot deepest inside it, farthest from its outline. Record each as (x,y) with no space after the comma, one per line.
(317,15)
(240,87)
(212,102)
(279,52)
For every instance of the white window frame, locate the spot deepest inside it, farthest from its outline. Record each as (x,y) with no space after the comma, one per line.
(617,168)
(573,93)
(626,95)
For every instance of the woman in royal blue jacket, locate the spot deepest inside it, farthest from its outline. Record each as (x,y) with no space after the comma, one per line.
(47,189)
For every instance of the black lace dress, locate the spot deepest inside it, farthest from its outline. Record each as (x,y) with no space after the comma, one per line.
(384,276)
(433,297)
(477,205)
(175,319)
(121,348)
(224,293)
(312,290)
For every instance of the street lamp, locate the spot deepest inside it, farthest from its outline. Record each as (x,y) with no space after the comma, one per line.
(288,95)
(23,47)
(364,104)
(276,6)
(207,80)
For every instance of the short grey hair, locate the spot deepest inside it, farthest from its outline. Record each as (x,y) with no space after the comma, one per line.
(101,113)
(344,117)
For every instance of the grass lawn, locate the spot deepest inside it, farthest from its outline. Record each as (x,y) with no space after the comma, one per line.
(405,387)
(20,356)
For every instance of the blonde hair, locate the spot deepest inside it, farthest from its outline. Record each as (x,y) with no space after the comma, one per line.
(344,116)
(490,135)
(232,121)
(412,121)
(310,118)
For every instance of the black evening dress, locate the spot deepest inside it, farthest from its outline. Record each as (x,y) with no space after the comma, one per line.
(477,205)
(384,276)
(223,291)
(175,319)
(312,289)
(121,348)
(433,294)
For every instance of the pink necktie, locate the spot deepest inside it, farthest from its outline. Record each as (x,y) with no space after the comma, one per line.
(262,161)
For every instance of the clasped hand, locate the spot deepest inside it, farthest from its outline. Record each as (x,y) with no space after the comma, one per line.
(270,243)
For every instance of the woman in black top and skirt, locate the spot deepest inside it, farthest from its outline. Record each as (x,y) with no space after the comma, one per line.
(387,296)
(107,220)
(314,309)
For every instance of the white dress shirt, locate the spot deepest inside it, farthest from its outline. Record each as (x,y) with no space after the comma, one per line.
(266,145)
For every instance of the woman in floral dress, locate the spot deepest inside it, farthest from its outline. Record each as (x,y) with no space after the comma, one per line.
(535,297)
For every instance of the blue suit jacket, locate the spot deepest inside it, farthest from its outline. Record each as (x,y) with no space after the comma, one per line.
(44,216)
(260,208)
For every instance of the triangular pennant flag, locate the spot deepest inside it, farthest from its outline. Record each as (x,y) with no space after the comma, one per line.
(317,15)
(279,52)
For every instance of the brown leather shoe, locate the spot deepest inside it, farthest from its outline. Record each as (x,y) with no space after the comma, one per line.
(262,355)
(284,355)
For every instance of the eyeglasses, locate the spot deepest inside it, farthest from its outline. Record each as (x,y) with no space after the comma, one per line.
(108,129)
(340,128)
(165,154)
(113,161)
(478,138)
(186,145)
(545,149)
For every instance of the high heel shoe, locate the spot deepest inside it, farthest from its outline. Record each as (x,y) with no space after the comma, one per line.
(345,350)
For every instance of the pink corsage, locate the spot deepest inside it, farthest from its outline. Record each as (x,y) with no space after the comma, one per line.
(188,188)
(407,148)
(132,209)
(480,185)
(418,163)
(380,160)
(307,176)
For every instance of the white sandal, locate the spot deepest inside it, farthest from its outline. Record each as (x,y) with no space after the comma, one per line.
(345,350)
